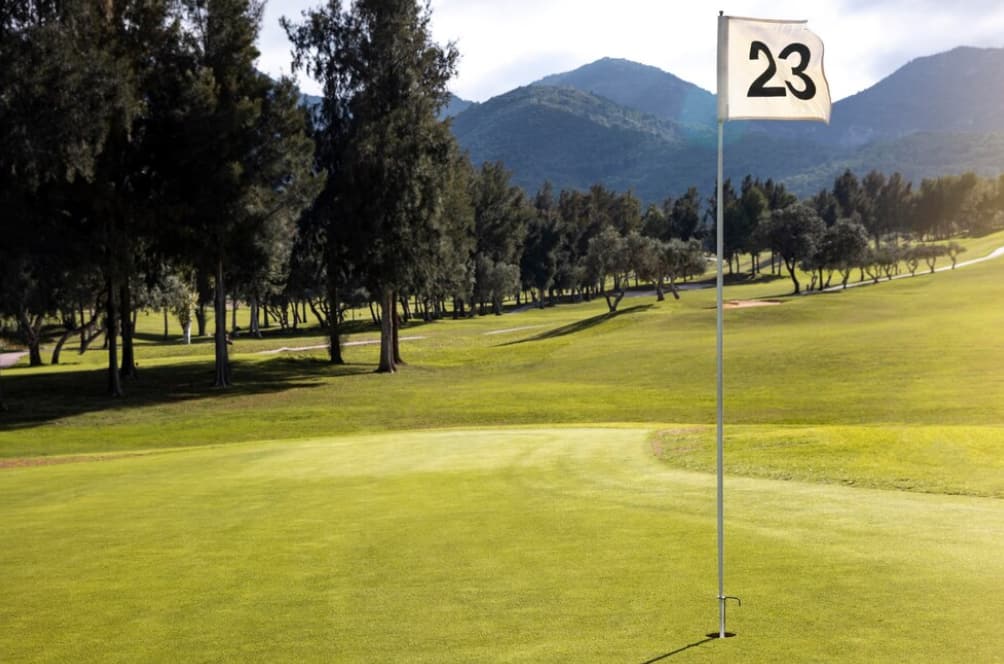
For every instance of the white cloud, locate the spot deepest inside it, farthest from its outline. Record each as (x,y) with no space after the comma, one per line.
(507,44)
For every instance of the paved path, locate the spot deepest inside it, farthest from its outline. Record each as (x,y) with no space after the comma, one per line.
(296,349)
(996,253)
(10,359)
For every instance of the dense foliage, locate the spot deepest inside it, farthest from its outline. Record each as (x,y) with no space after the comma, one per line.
(162,171)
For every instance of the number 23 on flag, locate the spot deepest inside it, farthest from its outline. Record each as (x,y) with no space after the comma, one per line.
(770,70)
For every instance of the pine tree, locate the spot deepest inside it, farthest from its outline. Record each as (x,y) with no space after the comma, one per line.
(384,150)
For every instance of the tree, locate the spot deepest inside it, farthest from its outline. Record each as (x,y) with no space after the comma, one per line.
(850,197)
(655,222)
(685,219)
(246,159)
(67,112)
(608,257)
(844,246)
(501,218)
(793,232)
(953,249)
(893,205)
(681,260)
(539,263)
(752,205)
(872,217)
(384,83)
(929,253)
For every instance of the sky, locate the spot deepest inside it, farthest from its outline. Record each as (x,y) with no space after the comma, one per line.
(504,44)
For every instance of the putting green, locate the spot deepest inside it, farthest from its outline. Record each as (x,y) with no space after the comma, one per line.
(506,545)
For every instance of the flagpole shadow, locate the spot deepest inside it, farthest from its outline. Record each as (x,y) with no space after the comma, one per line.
(677,651)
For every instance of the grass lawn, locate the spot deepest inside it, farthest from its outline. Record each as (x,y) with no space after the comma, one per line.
(533,487)
(511,545)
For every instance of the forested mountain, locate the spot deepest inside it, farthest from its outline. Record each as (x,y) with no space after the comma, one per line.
(455,106)
(571,137)
(642,87)
(629,125)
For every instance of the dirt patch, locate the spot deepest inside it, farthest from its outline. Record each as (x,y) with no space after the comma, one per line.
(27,462)
(746,304)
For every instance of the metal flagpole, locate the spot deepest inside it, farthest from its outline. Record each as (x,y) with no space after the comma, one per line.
(720,228)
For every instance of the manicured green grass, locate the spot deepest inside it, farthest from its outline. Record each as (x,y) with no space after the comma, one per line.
(304,516)
(964,460)
(515,545)
(923,351)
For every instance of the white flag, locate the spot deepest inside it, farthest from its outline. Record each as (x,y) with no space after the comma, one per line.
(770,70)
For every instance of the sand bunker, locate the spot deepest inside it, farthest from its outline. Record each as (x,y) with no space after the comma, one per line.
(745,304)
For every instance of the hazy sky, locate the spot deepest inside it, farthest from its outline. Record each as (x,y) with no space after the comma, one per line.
(508,43)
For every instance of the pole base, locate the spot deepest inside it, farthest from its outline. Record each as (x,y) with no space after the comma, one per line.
(718,635)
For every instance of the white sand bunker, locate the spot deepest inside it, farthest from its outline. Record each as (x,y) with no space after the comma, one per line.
(746,304)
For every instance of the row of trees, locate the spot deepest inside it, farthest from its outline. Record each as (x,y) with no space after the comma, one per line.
(869,224)
(137,141)
(144,162)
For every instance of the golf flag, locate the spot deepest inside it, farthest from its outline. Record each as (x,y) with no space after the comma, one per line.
(770,70)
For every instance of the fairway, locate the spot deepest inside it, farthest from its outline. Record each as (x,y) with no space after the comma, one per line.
(518,545)
(532,488)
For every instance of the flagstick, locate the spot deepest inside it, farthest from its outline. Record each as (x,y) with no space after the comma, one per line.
(720,224)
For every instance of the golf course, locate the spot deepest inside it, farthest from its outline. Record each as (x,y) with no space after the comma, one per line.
(532,487)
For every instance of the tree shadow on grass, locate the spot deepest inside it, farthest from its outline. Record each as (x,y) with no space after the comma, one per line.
(34,399)
(580,326)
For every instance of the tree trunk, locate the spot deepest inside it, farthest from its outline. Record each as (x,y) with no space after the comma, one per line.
(222,359)
(200,318)
(31,333)
(660,294)
(89,339)
(253,328)
(128,369)
(790,264)
(334,325)
(83,332)
(166,330)
(233,312)
(397,338)
(111,339)
(69,332)
(673,289)
(387,332)
(613,302)
(405,308)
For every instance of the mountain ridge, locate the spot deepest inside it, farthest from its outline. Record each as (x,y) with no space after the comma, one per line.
(923,119)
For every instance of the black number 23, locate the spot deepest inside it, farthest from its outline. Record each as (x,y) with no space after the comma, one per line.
(760,87)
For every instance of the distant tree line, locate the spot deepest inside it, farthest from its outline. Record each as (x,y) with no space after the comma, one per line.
(146,164)
(877,225)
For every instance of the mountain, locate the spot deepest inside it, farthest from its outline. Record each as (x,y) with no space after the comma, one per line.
(573,138)
(644,88)
(454,107)
(959,91)
(629,125)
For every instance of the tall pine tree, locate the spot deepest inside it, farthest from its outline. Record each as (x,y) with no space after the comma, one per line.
(385,151)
